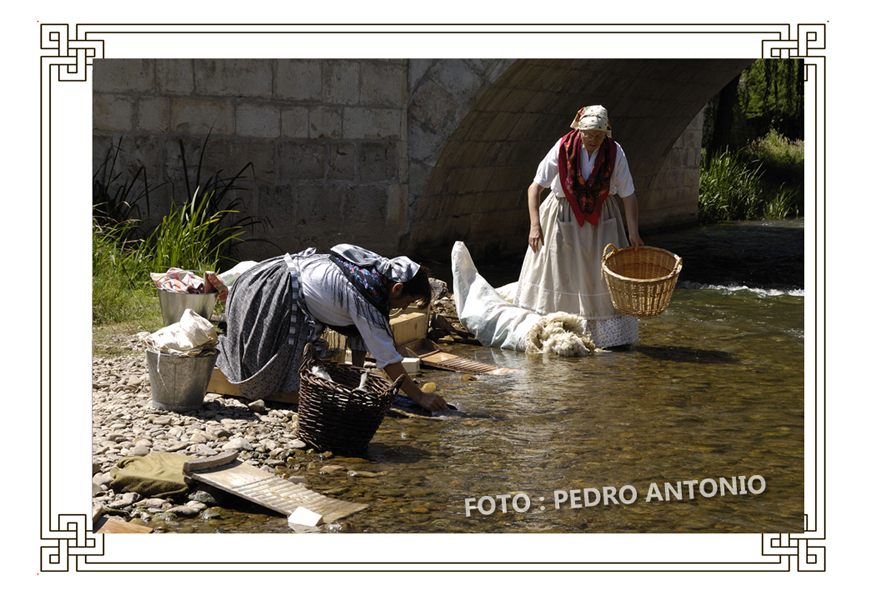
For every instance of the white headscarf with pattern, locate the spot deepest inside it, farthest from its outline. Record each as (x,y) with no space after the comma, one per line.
(592,117)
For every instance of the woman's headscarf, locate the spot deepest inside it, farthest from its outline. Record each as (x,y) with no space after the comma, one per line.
(592,117)
(399,269)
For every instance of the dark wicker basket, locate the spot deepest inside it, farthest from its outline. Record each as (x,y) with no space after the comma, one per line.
(333,415)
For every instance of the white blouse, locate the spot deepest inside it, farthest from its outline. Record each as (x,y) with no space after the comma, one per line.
(323,285)
(548,173)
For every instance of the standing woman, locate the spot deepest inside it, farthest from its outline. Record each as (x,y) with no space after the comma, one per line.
(278,306)
(568,233)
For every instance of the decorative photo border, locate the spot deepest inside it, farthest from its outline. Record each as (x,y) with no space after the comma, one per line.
(67,52)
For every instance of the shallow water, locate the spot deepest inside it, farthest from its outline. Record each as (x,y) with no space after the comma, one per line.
(713,389)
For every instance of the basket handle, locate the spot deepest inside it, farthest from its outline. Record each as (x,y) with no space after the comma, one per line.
(606,254)
(678,266)
(307,357)
(398,383)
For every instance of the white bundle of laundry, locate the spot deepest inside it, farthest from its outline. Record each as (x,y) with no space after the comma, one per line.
(190,336)
(496,322)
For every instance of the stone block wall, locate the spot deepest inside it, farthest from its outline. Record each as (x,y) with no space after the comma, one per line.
(400,156)
(326,140)
(666,203)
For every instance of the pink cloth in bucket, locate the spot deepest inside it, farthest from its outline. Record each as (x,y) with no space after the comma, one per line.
(181,281)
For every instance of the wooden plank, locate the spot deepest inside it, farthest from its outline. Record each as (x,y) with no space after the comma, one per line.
(433,356)
(266,489)
(219,384)
(407,325)
(104,525)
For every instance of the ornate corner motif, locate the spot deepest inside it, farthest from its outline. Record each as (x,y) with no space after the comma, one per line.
(72,58)
(74,539)
(803,41)
(810,558)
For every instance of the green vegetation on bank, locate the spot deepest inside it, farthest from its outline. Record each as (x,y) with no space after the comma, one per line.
(196,235)
(764,180)
(752,160)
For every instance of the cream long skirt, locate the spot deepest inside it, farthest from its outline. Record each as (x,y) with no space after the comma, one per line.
(565,275)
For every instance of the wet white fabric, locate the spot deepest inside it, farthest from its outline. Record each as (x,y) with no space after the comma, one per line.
(498,323)
(481,310)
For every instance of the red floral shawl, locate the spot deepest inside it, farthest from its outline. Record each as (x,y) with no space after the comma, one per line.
(585,197)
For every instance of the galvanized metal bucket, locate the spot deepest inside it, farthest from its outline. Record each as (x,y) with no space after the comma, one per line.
(174,304)
(179,382)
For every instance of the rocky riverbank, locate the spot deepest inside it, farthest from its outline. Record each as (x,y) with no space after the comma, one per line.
(125,424)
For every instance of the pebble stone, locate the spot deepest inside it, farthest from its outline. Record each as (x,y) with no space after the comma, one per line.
(125,423)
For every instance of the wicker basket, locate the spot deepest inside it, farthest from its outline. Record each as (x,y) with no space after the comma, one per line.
(640,281)
(333,415)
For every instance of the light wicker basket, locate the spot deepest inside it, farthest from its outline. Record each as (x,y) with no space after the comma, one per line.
(640,281)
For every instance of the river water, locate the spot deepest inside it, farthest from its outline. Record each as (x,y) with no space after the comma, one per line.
(713,390)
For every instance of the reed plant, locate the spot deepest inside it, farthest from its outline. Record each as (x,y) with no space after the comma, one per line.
(196,235)
(191,236)
(764,180)
(116,200)
(729,189)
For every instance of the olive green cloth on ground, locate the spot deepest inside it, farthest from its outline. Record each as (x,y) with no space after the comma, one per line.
(157,474)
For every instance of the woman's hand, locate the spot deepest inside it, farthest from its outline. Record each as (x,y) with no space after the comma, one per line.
(433,403)
(632,215)
(427,400)
(536,237)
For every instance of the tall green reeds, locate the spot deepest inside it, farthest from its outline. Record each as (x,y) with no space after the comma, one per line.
(762,181)
(189,237)
(728,189)
(196,235)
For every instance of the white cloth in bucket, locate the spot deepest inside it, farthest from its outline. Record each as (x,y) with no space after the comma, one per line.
(498,323)
(189,336)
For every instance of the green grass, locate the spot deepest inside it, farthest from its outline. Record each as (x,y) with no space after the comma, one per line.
(190,237)
(121,285)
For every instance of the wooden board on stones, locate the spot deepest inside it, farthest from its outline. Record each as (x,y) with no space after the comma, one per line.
(432,355)
(228,473)
(219,384)
(104,525)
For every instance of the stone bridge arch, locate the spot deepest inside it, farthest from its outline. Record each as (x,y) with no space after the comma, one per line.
(402,156)
(471,185)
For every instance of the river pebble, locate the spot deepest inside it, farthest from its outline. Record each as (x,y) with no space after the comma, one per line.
(125,424)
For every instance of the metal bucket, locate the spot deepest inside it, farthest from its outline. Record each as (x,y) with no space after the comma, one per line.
(174,304)
(179,382)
